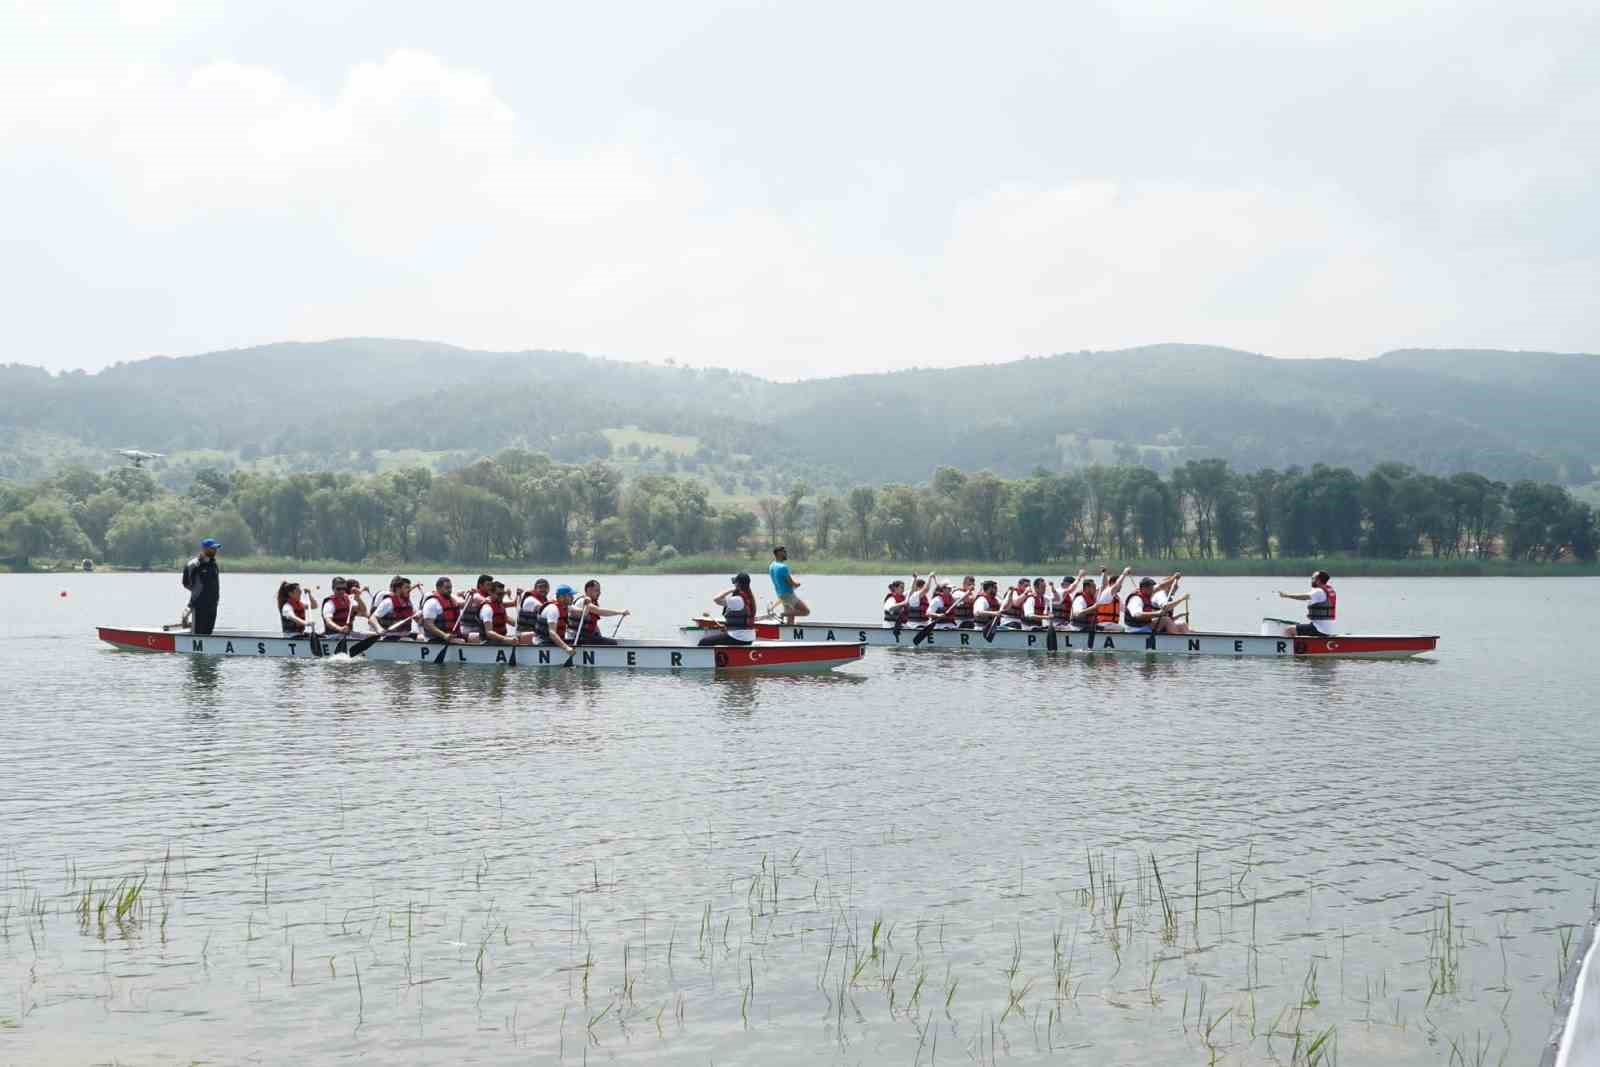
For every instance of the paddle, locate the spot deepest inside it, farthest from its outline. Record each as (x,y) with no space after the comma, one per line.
(1051,642)
(367,642)
(577,635)
(994,620)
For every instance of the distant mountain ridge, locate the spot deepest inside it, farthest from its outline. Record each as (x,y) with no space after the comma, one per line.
(1506,414)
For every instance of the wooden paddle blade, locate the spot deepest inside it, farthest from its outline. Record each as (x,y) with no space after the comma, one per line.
(361,646)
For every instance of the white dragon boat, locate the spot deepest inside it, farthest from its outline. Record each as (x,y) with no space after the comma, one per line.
(628,655)
(1038,639)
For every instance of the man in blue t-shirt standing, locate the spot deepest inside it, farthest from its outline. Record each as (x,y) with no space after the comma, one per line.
(785,584)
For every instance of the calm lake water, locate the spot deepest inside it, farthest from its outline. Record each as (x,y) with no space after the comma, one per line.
(923,858)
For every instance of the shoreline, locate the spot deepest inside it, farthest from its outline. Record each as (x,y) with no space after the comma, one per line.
(1346,567)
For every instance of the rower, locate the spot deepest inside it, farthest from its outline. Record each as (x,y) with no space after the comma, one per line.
(532,606)
(1011,604)
(470,625)
(1061,599)
(1140,613)
(588,608)
(1085,613)
(1322,607)
(493,622)
(1036,604)
(1108,602)
(440,612)
(393,608)
(551,620)
(338,616)
(963,601)
(1166,596)
(292,608)
(942,607)
(894,604)
(917,600)
(986,605)
(738,606)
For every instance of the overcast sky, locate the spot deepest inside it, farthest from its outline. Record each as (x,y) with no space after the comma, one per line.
(803,188)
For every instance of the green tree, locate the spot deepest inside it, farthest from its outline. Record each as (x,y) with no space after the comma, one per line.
(829,514)
(863,501)
(44,527)
(143,535)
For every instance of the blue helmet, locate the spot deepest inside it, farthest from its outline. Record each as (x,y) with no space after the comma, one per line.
(564,590)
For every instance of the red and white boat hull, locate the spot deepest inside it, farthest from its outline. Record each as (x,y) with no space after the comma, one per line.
(1376,646)
(629,655)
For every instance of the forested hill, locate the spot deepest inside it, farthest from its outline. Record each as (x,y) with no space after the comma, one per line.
(1509,415)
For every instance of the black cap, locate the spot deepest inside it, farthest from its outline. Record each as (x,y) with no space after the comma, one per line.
(1146,581)
(741,578)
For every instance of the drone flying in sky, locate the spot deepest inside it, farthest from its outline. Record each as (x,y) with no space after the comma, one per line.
(138,456)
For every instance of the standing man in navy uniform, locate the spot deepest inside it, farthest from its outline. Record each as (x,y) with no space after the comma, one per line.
(204,582)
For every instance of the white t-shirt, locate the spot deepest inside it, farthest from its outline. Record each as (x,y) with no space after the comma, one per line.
(917,601)
(1134,605)
(937,606)
(552,618)
(288,613)
(383,613)
(486,616)
(735,603)
(1320,596)
(327,612)
(1035,605)
(431,610)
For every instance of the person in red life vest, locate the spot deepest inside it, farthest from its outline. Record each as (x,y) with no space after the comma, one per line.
(292,614)
(440,611)
(1142,614)
(1061,599)
(963,601)
(1087,610)
(393,610)
(917,599)
(550,625)
(738,606)
(338,609)
(1322,607)
(470,626)
(1011,603)
(588,608)
(494,622)
(942,607)
(986,605)
(530,605)
(894,603)
(1036,604)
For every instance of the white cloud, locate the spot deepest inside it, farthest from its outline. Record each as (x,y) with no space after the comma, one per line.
(161,205)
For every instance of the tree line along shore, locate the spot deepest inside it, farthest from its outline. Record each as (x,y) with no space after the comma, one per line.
(518,510)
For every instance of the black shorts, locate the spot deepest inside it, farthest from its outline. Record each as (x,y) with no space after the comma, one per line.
(1305,629)
(721,637)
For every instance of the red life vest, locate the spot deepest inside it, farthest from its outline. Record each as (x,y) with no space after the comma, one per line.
(400,608)
(341,609)
(1144,605)
(497,608)
(449,611)
(1062,609)
(1324,612)
(963,612)
(299,609)
(1013,608)
(591,621)
(897,613)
